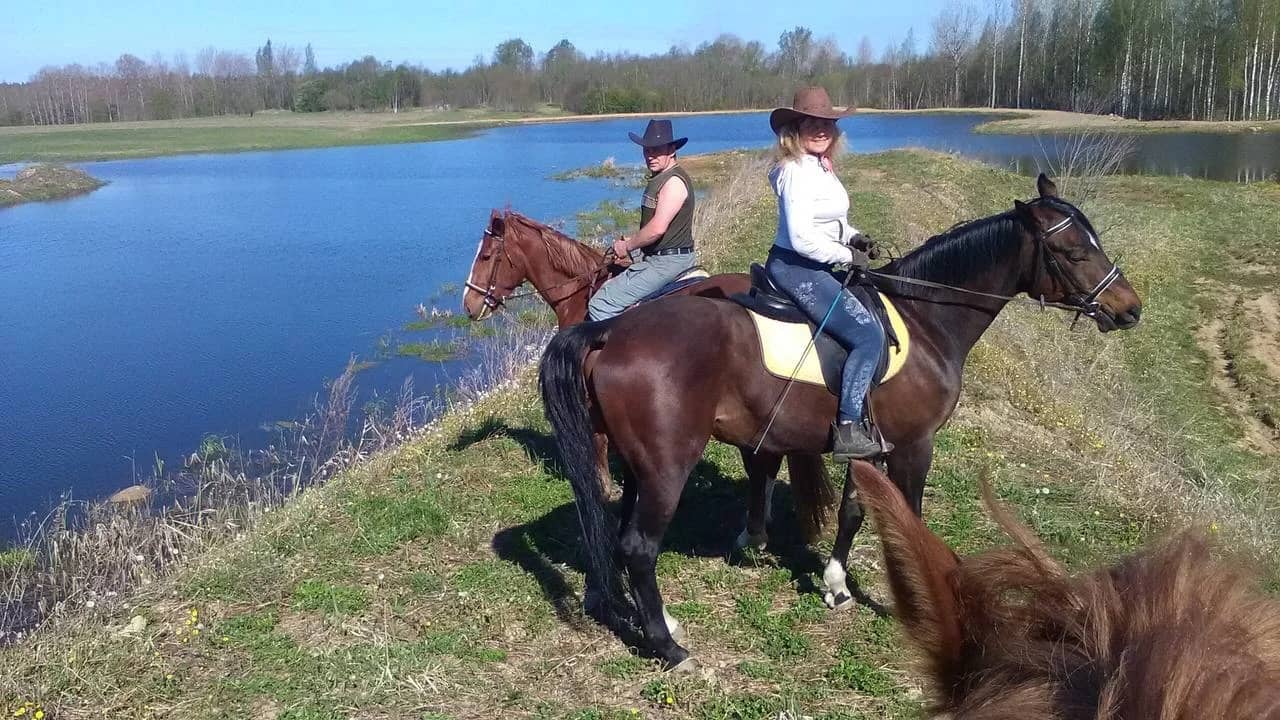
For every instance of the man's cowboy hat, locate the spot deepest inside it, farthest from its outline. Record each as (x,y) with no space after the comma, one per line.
(808,102)
(656,134)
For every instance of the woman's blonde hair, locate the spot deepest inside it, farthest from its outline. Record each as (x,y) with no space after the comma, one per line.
(791,146)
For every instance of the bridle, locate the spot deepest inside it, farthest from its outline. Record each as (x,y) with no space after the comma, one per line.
(493,301)
(1084,302)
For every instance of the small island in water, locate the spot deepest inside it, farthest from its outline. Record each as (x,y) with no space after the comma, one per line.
(46,182)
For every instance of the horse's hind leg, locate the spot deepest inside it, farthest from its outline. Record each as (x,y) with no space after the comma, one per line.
(762,476)
(607,485)
(659,494)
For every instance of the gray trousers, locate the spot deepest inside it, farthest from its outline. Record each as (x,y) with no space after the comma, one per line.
(637,281)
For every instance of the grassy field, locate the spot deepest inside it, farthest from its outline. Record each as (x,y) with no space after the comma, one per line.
(262,131)
(441,580)
(1034,122)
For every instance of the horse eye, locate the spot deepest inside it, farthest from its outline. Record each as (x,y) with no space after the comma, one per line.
(1077,255)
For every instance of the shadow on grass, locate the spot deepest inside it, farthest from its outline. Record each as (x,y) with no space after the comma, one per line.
(709,518)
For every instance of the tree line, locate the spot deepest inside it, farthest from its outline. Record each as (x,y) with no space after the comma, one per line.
(1198,59)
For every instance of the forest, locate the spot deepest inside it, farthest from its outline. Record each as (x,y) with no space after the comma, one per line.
(1144,59)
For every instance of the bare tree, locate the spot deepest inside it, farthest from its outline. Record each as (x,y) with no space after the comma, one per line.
(952,35)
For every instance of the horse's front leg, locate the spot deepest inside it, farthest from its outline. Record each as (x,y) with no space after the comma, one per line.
(836,593)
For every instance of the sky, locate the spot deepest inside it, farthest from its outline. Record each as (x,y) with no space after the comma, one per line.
(435,34)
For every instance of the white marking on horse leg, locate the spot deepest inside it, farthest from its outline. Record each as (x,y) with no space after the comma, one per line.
(837,594)
(673,626)
(769,485)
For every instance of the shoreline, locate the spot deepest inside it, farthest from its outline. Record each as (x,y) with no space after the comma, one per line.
(283,130)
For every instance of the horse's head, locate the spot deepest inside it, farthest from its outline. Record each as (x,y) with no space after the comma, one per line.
(496,271)
(1069,264)
(1169,631)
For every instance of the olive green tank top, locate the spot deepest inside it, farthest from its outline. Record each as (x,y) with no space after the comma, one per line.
(679,233)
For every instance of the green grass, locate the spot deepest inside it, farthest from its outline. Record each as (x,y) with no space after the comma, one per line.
(443,576)
(432,351)
(15,559)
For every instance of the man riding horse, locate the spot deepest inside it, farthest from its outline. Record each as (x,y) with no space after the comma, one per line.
(665,238)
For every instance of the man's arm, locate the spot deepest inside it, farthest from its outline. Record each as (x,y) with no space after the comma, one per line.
(670,198)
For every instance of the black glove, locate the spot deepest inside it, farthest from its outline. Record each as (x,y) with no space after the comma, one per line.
(860,259)
(865,244)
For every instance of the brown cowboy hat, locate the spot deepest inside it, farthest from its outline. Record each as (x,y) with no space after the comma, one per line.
(808,102)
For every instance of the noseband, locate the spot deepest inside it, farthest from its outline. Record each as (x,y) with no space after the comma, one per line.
(1085,302)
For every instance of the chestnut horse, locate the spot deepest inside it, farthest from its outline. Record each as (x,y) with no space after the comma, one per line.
(667,376)
(1165,633)
(565,273)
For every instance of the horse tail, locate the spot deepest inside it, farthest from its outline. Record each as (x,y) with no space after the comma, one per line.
(562,384)
(813,493)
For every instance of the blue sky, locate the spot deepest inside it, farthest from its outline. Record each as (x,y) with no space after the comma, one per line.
(435,34)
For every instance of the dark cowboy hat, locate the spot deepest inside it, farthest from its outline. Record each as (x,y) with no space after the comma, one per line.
(656,134)
(808,102)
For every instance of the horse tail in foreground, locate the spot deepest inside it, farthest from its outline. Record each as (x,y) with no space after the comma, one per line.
(564,396)
(1169,632)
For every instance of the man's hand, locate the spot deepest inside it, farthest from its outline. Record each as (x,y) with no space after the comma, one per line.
(620,247)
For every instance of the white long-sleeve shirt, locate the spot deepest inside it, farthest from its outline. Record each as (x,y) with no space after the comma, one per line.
(813,211)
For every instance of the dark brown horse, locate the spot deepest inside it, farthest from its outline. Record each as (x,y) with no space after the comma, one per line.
(667,376)
(565,273)
(1167,633)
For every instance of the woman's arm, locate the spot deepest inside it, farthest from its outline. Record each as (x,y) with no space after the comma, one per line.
(797,197)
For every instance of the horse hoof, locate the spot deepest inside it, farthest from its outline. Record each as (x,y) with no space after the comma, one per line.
(837,601)
(688,666)
(746,540)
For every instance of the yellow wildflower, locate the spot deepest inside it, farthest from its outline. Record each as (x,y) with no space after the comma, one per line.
(39,715)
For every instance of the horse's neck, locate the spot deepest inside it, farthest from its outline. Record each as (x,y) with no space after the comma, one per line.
(959,320)
(561,284)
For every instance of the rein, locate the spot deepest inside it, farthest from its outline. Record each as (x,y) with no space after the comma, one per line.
(1086,305)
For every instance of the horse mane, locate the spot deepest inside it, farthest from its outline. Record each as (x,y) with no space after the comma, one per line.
(1167,632)
(565,254)
(957,254)
(971,247)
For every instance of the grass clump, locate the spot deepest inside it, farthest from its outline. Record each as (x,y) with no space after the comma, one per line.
(329,598)
(1249,373)
(432,351)
(46,182)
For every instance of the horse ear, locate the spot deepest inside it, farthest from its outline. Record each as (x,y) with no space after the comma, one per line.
(922,575)
(1027,215)
(1047,188)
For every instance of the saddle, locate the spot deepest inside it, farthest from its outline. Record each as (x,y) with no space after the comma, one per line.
(784,333)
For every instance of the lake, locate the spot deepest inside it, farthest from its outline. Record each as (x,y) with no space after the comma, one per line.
(215,293)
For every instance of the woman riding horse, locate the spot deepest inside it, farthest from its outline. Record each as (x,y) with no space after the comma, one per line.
(813,234)
(669,375)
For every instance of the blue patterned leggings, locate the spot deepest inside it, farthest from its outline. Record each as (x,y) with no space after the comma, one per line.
(814,289)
